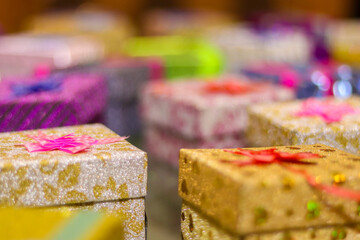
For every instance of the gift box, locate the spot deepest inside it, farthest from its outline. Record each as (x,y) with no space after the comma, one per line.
(58,224)
(106,27)
(59,99)
(268,190)
(183,22)
(21,54)
(195,225)
(93,168)
(343,38)
(330,121)
(200,113)
(242,45)
(311,25)
(182,56)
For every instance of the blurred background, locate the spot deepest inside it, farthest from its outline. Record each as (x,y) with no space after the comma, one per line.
(311,47)
(14,15)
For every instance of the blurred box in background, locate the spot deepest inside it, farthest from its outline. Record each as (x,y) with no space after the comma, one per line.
(109,28)
(21,54)
(58,99)
(199,114)
(182,56)
(59,224)
(183,22)
(242,45)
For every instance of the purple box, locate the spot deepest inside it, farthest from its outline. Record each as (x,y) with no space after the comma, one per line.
(57,100)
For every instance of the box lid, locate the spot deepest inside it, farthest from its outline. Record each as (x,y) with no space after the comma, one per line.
(103,172)
(256,198)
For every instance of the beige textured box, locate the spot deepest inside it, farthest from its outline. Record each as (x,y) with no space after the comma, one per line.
(276,125)
(105,176)
(195,225)
(260,198)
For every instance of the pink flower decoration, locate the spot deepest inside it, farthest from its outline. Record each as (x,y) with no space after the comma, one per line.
(68,143)
(328,110)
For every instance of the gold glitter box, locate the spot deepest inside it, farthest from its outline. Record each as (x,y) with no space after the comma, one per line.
(276,125)
(195,225)
(109,176)
(255,199)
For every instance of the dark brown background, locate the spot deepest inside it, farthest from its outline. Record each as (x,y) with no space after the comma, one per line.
(15,13)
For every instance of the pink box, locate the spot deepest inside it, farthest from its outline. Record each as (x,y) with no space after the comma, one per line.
(198,114)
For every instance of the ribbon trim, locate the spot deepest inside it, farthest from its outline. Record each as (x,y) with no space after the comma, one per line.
(50,83)
(228,87)
(329,111)
(68,143)
(271,156)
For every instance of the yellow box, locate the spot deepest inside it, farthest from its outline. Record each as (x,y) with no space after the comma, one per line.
(41,224)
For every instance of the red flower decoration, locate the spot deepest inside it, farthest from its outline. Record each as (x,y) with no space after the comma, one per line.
(271,156)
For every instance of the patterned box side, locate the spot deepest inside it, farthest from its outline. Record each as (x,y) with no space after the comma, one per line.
(195,225)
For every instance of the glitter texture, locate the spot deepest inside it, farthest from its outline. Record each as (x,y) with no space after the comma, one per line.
(73,103)
(195,225)
(225,193)
(276,125)
(185,107)
(104,172)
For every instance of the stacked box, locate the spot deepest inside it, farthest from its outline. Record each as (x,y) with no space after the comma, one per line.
(60,99)
(182,56)
(21,54)
(58,224)
(110,177)
(193,114)
(232,195)
(327,123)
(108,28)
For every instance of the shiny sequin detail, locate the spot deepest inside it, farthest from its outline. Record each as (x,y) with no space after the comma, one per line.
(338,234)
(260,216)
(339,178)
(313,210)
